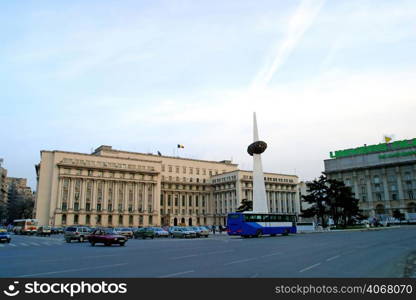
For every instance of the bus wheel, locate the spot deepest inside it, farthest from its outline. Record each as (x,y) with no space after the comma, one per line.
(286,232)
(258,233)
(273,235)
(245,236)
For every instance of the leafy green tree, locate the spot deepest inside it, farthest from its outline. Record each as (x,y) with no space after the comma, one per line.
(245,205)
(344,206)
(331,198)
(398,215)
(318,197)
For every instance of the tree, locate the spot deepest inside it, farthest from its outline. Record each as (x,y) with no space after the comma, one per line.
(331,198)
(246,205)
(344,206)
(318,197)
(3,214)
(398,215)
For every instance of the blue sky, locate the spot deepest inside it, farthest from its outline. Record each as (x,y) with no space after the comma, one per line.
(146,75)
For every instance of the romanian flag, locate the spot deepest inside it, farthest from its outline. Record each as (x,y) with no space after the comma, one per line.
(387,139)
(181,146)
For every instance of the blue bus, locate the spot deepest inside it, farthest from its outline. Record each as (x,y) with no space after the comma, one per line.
(248,224)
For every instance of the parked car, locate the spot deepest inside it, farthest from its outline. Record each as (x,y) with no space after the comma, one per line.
(145,232)
(43,231)
(79,233)
(200,231)
(5,236)
(183,232)
(107,237)
(171,229)
(127,232)
(160,232)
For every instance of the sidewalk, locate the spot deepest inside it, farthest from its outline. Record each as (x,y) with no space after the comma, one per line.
(347,230)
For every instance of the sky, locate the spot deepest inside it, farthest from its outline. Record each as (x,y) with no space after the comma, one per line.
(146,75)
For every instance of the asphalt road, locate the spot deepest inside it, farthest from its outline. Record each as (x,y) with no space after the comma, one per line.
(380,253)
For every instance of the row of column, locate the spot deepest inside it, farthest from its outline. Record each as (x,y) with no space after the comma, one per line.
(281,202)
(141,194)
(187,206)
(370,190)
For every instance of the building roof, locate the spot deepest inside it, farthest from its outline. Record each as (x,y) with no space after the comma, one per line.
(110,149)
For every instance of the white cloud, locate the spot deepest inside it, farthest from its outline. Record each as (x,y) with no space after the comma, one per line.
(299,23)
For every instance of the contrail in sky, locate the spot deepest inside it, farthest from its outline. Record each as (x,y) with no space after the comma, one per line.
(300,21)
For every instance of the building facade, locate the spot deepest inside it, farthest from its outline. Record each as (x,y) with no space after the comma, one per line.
(3,194)
(119,188)
(230,188)
(20,199)
(382,177)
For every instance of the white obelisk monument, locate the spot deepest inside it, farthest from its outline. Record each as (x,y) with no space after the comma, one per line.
(259,189)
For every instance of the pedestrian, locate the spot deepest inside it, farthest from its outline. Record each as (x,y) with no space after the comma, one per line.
(220,229)
(213,229)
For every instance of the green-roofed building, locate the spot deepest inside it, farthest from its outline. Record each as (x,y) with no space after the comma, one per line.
(382,176)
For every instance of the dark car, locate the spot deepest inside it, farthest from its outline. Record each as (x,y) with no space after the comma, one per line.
(5,236)
(107,237)
(146,232)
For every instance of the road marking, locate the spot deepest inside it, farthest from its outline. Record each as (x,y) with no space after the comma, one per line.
(240,261)
(202,254)
(73,270)
(34,244)
(185,256)
(176,274)
(332,258)
(272,254)
(254,275)
(24,244)
(13,245)
(310,267)
(46,243)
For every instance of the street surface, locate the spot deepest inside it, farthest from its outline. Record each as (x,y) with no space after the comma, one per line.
(380,253)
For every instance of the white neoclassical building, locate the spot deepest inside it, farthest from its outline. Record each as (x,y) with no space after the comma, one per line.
(120,188)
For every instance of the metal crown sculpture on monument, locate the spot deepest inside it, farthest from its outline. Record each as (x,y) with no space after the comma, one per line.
(259,190)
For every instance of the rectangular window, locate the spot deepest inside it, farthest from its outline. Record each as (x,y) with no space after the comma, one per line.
(110,207)
(64,206)
(184,170)
(177,169)
(87,206)
(76,206)
(98,206)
